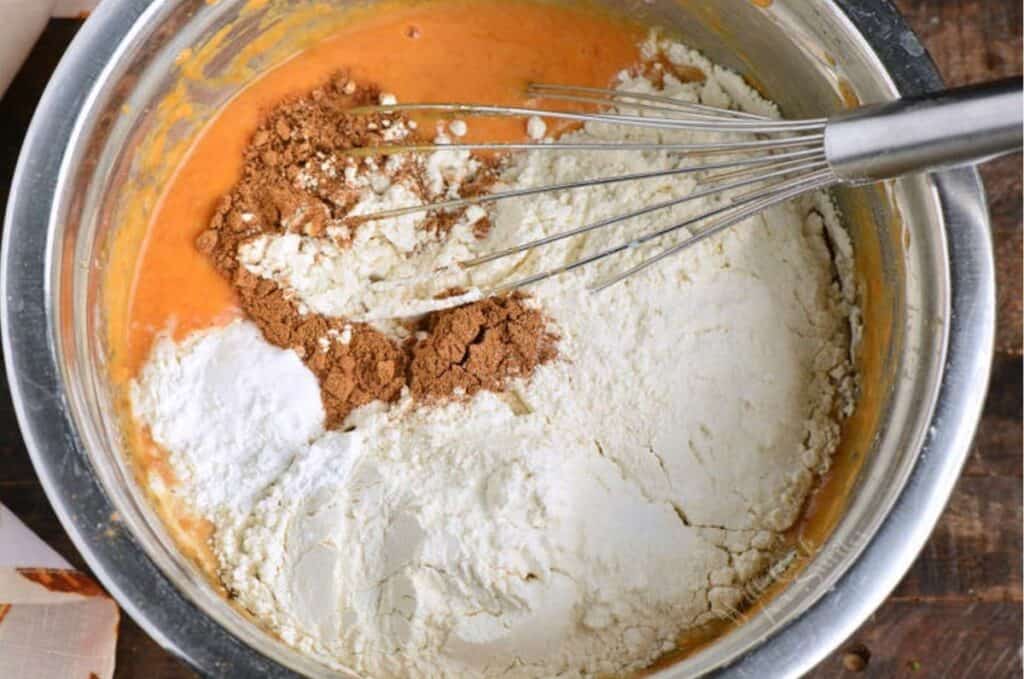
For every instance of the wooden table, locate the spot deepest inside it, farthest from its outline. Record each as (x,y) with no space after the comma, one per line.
(958,611)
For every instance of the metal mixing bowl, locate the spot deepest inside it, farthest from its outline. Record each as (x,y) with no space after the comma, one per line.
(932,283)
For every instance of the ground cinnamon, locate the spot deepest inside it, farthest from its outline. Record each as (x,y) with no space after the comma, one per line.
(479,346)
(291,182)
(657,68)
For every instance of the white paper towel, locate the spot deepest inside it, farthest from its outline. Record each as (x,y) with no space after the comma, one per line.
(54,620)
(74,8)
(23,21)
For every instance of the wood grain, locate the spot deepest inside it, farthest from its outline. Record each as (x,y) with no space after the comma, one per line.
(958,611)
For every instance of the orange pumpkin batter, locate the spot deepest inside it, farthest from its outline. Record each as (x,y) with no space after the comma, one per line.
(434,52)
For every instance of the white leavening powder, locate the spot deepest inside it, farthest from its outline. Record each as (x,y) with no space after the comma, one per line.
(576,524)
(231,409)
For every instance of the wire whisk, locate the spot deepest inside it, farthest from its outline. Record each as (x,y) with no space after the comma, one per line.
(774,160)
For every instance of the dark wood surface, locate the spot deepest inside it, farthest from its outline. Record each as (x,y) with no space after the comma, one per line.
(958,612)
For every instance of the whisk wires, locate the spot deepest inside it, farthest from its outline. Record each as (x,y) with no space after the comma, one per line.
(782,159)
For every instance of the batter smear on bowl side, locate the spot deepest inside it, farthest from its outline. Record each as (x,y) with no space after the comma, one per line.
(409,480)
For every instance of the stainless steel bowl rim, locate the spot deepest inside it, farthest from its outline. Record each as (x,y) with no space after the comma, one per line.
(85,510)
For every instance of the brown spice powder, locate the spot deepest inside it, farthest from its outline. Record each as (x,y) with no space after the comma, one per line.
(479,346)
(453,354)
(657,68)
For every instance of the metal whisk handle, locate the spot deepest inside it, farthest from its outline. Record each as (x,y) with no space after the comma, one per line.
(943,129)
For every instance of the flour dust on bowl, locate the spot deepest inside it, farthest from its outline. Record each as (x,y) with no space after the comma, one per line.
(281,461)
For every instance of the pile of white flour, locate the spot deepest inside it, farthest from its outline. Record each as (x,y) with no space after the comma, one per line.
(576,524)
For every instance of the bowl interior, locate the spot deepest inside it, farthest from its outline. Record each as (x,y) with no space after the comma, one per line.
(806,56)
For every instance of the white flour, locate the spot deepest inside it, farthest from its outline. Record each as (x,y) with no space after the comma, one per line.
(574,525)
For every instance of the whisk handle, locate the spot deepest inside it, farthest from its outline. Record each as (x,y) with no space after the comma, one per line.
(944,129)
